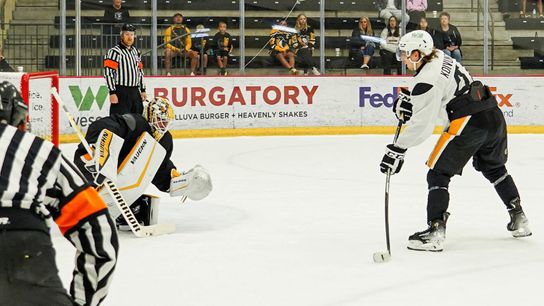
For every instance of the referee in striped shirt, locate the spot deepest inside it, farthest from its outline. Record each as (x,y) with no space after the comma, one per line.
(123,70)
(38,185)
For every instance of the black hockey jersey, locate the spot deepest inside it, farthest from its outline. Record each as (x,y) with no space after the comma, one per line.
(130,127)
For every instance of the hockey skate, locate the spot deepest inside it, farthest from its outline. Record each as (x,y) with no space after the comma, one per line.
(518,225)
(431,239)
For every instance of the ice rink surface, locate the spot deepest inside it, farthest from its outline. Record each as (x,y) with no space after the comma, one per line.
(295,221)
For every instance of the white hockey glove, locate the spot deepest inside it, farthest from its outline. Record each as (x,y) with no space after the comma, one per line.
(393,159)
(195,184)
(402,106)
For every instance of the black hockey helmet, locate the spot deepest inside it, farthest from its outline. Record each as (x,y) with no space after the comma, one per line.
(128,27)
(13,109)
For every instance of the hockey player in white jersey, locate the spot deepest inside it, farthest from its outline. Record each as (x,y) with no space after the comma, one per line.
(444,93)
(134,150)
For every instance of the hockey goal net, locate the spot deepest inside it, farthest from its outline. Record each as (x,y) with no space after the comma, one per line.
(43,119)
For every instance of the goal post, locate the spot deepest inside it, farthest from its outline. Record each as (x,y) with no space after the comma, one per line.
(43,112)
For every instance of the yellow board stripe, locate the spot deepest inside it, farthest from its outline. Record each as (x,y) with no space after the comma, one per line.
(307,131)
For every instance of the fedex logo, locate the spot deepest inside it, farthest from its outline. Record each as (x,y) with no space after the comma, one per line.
(377,99)
(502,99)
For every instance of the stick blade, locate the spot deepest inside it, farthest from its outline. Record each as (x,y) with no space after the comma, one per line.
(380,257)
(157,230)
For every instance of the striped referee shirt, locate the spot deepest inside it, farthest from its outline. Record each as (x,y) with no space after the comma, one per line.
(123,66)
(37,185)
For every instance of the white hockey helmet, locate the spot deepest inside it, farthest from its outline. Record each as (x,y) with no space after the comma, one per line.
(415,40)
(159,114)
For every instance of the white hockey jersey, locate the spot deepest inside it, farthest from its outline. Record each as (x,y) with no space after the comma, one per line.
(436,83)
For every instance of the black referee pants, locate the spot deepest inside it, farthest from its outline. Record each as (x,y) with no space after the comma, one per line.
(28,272)
(130,101)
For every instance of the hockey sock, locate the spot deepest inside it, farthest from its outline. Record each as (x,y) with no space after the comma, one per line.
(439,197)
(503,183)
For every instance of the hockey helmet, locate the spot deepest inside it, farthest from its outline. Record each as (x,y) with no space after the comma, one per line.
(13,110)
(415,40)
(159,114)
(128,27)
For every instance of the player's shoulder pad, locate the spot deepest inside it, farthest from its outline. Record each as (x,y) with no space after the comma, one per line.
(421,88)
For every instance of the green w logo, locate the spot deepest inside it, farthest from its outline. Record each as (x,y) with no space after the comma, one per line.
(84,103)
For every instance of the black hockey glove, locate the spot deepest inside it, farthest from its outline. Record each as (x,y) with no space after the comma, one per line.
(402,106)
(392,159)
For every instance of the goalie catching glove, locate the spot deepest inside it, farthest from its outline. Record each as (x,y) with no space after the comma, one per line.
(194,184)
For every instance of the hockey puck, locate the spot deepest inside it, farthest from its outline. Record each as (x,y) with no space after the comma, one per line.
(381,257)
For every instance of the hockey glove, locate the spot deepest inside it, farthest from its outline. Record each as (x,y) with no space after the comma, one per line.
(95,177)
(194,184)
(393,159)
(402,106)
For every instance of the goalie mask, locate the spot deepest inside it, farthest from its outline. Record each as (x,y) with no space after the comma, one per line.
(159,114)
(13,110)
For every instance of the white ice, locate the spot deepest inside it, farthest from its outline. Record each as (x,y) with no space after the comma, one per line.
(295,221)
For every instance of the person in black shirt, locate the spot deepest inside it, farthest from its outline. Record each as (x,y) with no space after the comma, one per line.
(201,46)
(439,38)
(361,48)
(223,47)
(453,46)
(114,17)
(303,43)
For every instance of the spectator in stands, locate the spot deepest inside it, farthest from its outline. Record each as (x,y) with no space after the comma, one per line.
(454,41)
(223,47)
(4,66)
(178,42)
(415,9)
(504,9)
(361,48)
(439,38)
(390,8)
(303,43)
(200,45)
(280,47)
(524,8)
(115,16)
(388,48)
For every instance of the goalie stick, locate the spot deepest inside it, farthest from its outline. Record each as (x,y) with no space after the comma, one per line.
(139,231)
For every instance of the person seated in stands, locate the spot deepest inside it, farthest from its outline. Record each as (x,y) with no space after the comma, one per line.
(222,47)
(388,8)
(415,9)
(199,44)
(280,47)
(388,48)
(303,43)
(178,42)
(114,17)
(454,40)
(361,48)
(439,38)
(4,66)
(524,8)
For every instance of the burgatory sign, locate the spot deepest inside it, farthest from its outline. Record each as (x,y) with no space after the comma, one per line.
(216,103)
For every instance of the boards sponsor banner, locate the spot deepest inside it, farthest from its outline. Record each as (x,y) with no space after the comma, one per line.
(284,102)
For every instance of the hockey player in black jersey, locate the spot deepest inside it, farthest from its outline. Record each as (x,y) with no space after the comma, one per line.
(474,128)
(133,151)
(37,185)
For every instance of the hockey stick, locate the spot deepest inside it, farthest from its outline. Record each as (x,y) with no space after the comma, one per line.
(386,256)
(138,230)
(197,34)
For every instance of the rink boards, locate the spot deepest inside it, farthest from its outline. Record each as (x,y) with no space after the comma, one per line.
(265,105)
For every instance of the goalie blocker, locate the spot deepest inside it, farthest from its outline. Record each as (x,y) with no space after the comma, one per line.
(133,151)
